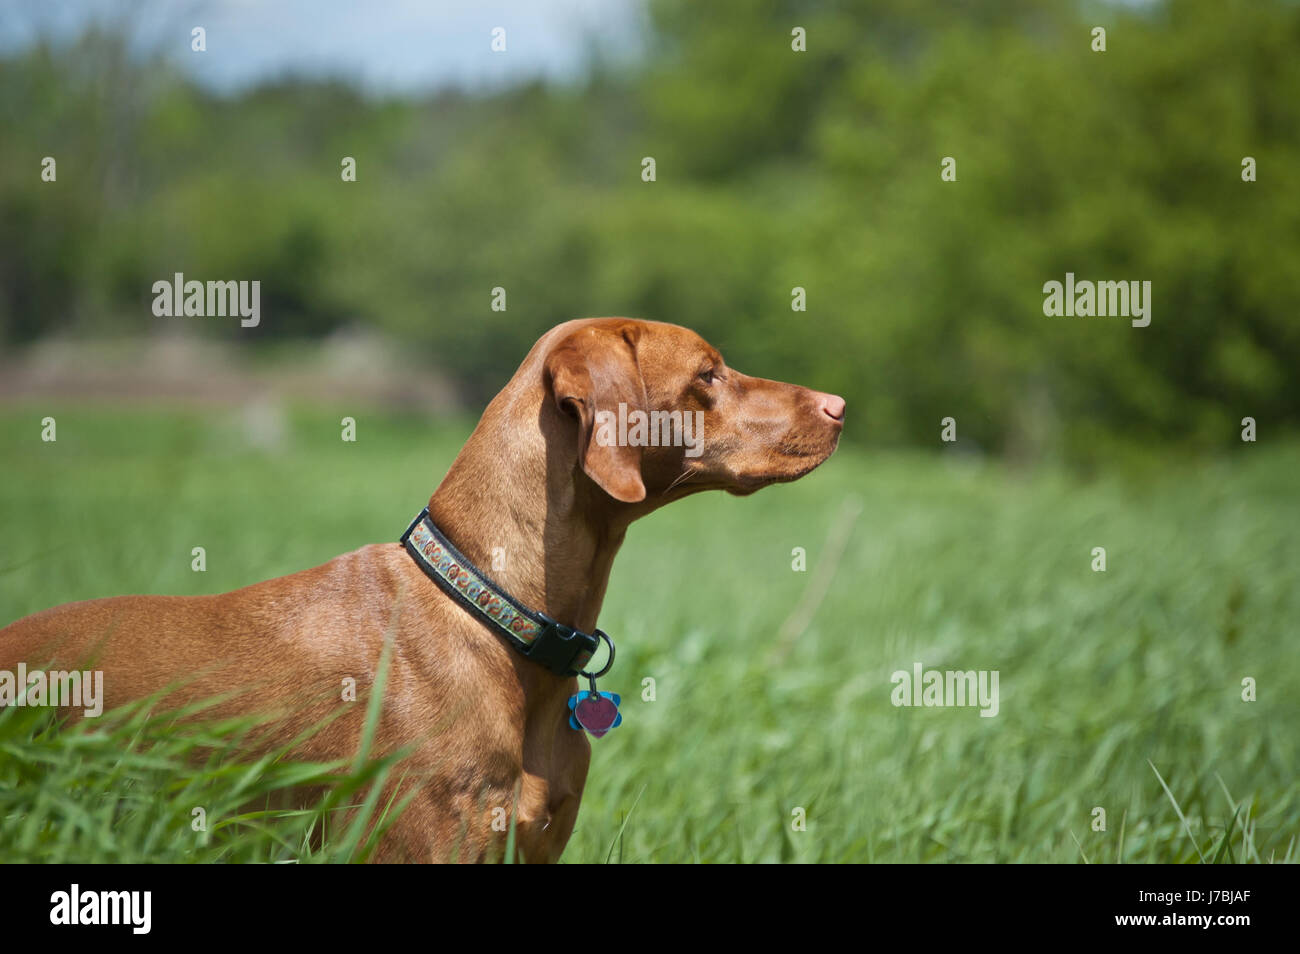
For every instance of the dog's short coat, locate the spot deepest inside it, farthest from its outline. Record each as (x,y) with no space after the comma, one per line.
(489,727)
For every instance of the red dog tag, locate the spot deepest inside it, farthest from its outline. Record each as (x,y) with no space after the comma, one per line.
(596,712)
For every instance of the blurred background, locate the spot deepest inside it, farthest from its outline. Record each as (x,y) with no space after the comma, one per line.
(1123,688)
(522,170)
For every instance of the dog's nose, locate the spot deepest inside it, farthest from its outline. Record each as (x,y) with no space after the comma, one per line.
(832,405)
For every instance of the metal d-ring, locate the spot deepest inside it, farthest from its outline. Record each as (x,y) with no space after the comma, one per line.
(593,676)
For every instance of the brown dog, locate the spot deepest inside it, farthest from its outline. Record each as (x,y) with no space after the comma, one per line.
(538,479)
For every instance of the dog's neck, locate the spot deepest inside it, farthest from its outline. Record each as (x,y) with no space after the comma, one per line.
(538,527)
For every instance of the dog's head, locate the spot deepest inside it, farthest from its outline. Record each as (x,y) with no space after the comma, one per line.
(658,414)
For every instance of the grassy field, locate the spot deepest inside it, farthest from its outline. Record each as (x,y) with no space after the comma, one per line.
(770,697)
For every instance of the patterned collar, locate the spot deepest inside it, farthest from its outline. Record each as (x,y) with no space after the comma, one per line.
(560,648)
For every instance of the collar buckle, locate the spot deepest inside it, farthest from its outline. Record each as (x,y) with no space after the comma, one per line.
(560,648)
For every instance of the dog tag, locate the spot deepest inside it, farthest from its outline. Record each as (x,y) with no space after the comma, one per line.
(597,712)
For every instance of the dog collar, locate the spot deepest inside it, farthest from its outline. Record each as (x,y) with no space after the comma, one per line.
(560,648)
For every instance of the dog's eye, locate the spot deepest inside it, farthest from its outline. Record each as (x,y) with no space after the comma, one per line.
(707,376)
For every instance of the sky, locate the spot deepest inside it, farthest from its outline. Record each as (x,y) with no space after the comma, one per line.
(385,46)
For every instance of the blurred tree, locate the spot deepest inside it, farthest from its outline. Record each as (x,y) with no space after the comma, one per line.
(775,169)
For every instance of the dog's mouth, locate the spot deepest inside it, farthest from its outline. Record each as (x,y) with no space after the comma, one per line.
(748,484)
(798,462)
(785,458)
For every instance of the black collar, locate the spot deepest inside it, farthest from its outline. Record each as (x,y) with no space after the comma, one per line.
(561,649)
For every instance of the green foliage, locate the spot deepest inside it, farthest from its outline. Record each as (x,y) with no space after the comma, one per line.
(775,169)
(953,563)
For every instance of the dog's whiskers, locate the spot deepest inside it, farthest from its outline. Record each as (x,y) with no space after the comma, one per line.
(681,478)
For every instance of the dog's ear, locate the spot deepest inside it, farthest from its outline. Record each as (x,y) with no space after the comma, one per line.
(590,373)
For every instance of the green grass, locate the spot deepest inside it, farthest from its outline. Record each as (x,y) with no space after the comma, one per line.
(149,783)
(1120,690)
